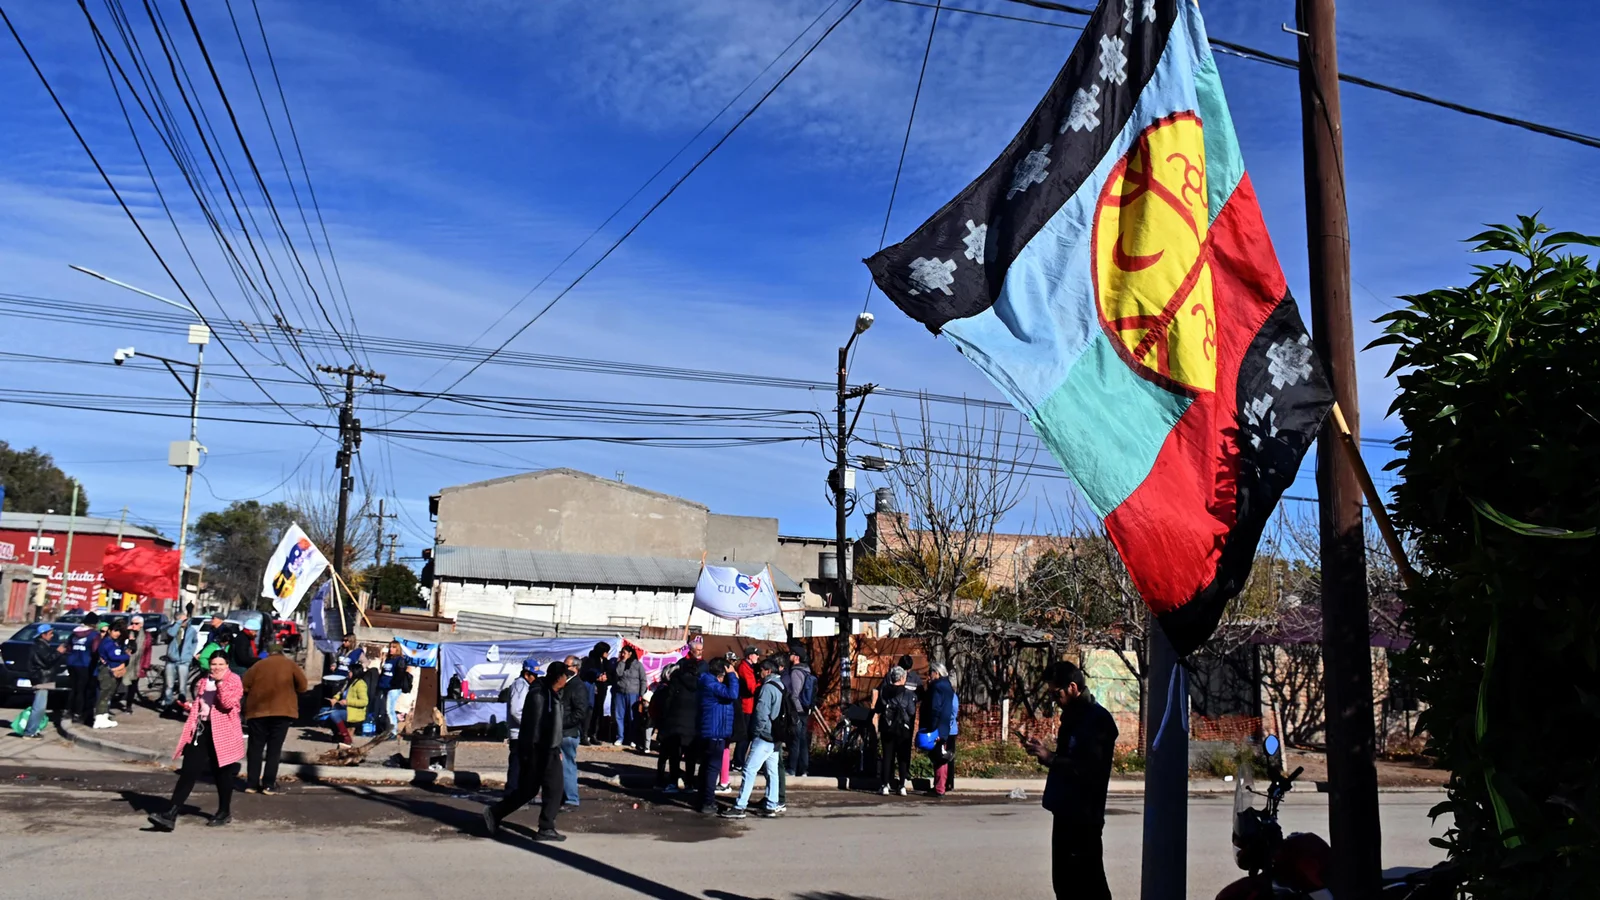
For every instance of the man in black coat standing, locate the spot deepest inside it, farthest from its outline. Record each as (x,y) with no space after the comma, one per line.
(539,743)
(1075,789)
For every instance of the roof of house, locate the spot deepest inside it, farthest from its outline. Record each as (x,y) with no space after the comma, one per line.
(15,521)
(544,567)
(572,473)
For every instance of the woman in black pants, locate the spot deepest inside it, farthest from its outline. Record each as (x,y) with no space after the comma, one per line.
(212,743)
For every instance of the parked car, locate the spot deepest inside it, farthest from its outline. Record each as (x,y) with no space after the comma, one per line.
(288,632)
(16,650)
(153,623)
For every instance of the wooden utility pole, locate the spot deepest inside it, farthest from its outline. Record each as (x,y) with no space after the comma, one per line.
(349,443)
(377,551)
(1346,654)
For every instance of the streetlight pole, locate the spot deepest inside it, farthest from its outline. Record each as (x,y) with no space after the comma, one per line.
(41,590)
(191,451)
(842,481)
(183,454)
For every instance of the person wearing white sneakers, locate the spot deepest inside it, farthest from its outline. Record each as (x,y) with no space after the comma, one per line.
(895,716)
(113,665)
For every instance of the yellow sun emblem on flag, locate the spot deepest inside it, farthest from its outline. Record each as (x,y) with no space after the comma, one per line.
(1152,257)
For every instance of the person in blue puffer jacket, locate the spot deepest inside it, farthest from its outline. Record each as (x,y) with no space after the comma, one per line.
(939,715)
(114,660)
(719,693)
(80,663)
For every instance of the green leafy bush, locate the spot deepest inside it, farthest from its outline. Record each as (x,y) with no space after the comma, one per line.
(1500,492)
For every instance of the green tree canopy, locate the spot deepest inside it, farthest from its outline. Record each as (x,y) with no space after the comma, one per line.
(235,544)
(393,586)
(1500,396)
(34,483)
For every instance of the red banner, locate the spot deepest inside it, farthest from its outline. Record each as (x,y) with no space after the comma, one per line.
(142,570)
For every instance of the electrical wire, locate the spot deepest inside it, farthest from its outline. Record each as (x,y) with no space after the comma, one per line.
(639,190)
(106,178)
(1283,61)
(654,206)
(905,143)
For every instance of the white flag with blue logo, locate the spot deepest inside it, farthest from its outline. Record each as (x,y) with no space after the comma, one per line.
(728,593)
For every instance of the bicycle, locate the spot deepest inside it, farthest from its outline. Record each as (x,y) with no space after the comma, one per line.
(852,744)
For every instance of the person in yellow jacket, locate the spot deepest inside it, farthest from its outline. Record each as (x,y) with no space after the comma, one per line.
(350,706)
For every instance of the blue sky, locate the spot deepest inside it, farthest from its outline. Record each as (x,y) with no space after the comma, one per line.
(460,149)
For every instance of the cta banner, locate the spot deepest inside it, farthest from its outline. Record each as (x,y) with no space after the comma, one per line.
(293,567)
(728,593)
(483,669)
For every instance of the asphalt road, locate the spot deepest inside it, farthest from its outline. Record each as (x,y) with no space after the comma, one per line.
(335,841)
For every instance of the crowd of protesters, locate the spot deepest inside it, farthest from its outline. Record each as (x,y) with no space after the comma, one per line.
(708,718)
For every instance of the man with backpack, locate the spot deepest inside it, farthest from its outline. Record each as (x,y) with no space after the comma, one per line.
(771,722)
(896,717)
(801,687)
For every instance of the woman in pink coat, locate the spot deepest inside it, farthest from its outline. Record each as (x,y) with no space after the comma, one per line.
(212,742)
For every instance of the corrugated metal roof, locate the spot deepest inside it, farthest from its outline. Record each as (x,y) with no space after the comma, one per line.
(543,567)
(16,521)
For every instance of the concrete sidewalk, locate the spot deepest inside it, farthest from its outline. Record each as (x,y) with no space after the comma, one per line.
(144,737)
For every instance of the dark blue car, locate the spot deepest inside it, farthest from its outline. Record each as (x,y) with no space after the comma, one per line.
(16,651)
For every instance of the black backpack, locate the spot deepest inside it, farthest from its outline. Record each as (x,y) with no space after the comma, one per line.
(899,715)
(789,724)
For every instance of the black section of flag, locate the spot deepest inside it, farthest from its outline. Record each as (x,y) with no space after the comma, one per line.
(954,265)
(1283,397)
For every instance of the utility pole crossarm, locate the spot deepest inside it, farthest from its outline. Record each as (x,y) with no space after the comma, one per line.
(349,443)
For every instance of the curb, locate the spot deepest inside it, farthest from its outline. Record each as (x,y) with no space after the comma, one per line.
(77,734)
(308,772)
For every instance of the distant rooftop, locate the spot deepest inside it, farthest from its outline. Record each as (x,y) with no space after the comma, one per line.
(15,521)
(544,567)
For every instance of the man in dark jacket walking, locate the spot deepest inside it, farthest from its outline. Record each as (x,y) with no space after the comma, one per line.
(43,658)
(1075,789)
(719,694)
(540,743)
(575,705)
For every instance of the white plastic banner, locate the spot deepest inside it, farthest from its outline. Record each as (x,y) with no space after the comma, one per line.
(293,567)
(728,593)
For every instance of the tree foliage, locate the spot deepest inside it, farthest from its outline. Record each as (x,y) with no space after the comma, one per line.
(393,586)
(34,483)
(1500,396)
(235,544)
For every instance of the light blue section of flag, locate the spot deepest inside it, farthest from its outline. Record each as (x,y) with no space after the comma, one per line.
(1224,165)
(1042,344)
(418,653)
(1105,406)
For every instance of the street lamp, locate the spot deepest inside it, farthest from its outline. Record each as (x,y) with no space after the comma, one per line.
(180,454)
(42,589)
(842,480)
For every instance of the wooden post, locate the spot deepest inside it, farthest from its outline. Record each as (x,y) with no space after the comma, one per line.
(1346,638)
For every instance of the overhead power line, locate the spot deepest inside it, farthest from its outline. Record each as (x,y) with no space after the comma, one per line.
(656,205)
(1290,63)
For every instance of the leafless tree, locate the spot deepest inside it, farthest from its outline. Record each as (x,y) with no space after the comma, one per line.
(953,485)
(316,509)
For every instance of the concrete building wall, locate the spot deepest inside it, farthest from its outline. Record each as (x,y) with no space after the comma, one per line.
(571,511)
(591,605)
(742,539)
(797,556)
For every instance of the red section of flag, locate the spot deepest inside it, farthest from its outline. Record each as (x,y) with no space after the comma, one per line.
(141,570)
(1171,531)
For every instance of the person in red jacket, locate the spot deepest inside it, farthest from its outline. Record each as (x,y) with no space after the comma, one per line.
(749,683)
(212,741)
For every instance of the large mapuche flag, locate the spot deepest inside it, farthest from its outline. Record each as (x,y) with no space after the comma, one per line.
(1112,275)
